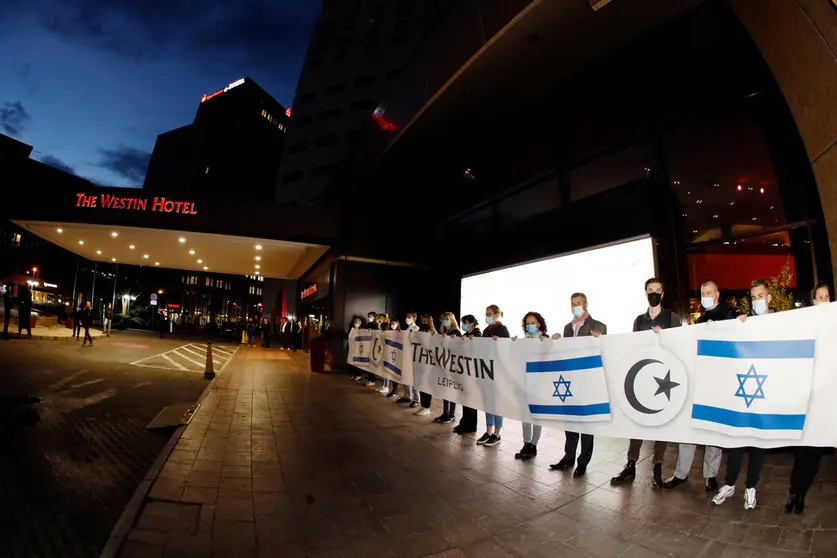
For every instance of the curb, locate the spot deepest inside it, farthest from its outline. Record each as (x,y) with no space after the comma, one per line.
(137,502)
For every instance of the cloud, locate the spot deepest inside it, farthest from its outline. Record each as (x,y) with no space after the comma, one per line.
(58,164)
(13,118)
(267,33)
(126,162)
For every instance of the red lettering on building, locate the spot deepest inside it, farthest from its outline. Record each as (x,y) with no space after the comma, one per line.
(109,201)
(312,290)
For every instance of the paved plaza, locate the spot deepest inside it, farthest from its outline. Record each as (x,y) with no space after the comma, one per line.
(282,462)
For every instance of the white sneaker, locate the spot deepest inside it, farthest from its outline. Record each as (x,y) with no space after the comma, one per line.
(725,492)
(369,384)
(384,390)
(749,498)
(422,412)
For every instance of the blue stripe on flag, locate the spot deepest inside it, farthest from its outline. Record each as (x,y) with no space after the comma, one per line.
(394,344)
(363,338)
(360,359)
(802,348)
(392,367)
(747,420)
(566,365)
(573,410)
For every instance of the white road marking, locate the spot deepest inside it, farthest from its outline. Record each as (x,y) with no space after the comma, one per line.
(168,359)
(176,364)
(203,356)
(64,381)
(184,357)
(88,383)
(142,384)
(82,402)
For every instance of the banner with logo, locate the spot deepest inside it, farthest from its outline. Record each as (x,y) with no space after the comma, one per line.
(768,382)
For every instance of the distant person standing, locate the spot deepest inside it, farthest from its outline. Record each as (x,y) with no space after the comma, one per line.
(86,323)
(77,309)
(24,311)
(7,308)
(107,319)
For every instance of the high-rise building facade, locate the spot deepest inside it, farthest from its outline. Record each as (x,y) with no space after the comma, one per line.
(356,52)
(234,146)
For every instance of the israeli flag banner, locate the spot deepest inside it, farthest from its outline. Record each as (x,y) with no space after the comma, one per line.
(753,388)
(362,348)
(393,355)
(571,387)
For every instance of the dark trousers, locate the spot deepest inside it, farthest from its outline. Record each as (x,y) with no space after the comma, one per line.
(24,321)
(571,446)
(449,408)
(469,418)
(76,326)
(426,399)
(266,340)
(736,456)
(87,338)
(805,467)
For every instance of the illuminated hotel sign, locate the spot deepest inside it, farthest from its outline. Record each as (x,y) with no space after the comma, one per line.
(108,201)
(310,291)
(224,90)
(50,285)
(288,110)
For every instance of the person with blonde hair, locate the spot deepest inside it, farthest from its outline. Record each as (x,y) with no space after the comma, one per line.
(495,330)
(425,325)
(448,325)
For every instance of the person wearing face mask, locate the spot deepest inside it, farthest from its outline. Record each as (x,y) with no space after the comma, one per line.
(716,309)
(582,325)
(534,327)
(372,324)
(394,325)
(426,326)
(468,422)
(412,395)
(450,327)
(357,323)
(655,319)
(760,298)
(495,330)
(806,463)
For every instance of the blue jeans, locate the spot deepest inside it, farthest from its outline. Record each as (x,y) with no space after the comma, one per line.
(493,420)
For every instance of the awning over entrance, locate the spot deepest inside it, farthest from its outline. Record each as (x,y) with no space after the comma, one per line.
(194,251)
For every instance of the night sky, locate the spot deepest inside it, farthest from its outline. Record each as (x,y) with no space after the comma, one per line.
(90,83)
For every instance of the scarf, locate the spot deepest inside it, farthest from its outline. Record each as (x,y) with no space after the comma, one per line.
(581,319)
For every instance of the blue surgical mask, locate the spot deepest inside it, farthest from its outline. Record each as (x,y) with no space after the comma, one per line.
(708,302)
(357,324)
(578,311)
(531,329)
(445,323)
(371,319)
(489,320)
(466,328)
(760,306)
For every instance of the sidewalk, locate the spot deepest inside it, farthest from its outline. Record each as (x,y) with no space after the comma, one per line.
(281,462)
(56,333)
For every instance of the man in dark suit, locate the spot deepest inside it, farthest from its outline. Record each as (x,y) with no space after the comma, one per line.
(8,304)
(583,325)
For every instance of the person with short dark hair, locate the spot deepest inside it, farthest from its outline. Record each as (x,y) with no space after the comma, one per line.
(534,327)
(87,323)
(468,422)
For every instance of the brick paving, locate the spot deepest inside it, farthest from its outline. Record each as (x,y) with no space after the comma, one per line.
(281,462)
(65,480)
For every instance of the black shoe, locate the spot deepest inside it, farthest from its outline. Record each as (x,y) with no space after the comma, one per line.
(628,474)
(404,400)
(657,476)
(528,451)
(533,451)
(800,504)
(674,482)
(580,471)
(711,484)
(790,507)
(392,394)
(492,441)
(446,419)
(440,418)
(565,463)
(464,429)
(484,438)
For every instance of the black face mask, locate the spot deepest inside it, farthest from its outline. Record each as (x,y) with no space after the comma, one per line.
(654,299)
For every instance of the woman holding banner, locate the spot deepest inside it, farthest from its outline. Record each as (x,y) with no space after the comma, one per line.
(534,327)
(468,422)
(425,325)
(448,326)
(494,329)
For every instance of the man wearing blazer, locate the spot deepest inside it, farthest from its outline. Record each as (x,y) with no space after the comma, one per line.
(583,325)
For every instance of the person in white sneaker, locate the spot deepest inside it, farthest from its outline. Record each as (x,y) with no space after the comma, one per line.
(760,304)
(411,394)
(425,325)
(495,330)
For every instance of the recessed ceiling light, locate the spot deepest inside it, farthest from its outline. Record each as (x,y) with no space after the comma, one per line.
(258,258)
(191,252)
(205,268)
(81,242)
(200,261)
(145,256)
(258,246)
(258,266)
(257,273)
(99,252)
(156,263)
(114,234)
(131,246)
(181,240)
(113,259)
(60,230)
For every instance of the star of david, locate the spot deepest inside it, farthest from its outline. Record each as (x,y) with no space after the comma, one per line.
(759,391)
(393,355)
(566,384)
(360,348)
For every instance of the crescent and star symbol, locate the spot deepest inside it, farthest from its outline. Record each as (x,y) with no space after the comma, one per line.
(664,385)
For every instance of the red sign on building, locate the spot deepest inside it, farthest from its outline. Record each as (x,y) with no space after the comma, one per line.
(310,291)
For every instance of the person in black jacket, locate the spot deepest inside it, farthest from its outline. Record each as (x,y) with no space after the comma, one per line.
(716,310)
(468,422)
(495,329)
(425,399)
(372,324)
(78,307)
(24,310)
(7,308)
(87,322)
(450,327)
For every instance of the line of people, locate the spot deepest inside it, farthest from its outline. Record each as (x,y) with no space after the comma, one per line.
(655,318)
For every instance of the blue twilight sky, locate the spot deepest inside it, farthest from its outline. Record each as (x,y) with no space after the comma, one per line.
(90,83)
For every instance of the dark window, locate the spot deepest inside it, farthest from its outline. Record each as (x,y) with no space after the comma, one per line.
(352,134)
(346,41)
(330,113)
(372,46)
(402,39)
(363,105)
(292,177)
(298,148)
(325,141)
(363,81)
(349,27)
(342,55)
(393,74)
(323,170)
(336,88)
(307,98)
(303,121)
(319,63)
(402,24)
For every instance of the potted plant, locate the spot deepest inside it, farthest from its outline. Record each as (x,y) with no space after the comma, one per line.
(317,353)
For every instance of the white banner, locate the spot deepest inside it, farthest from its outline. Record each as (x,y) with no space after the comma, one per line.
(769,382)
